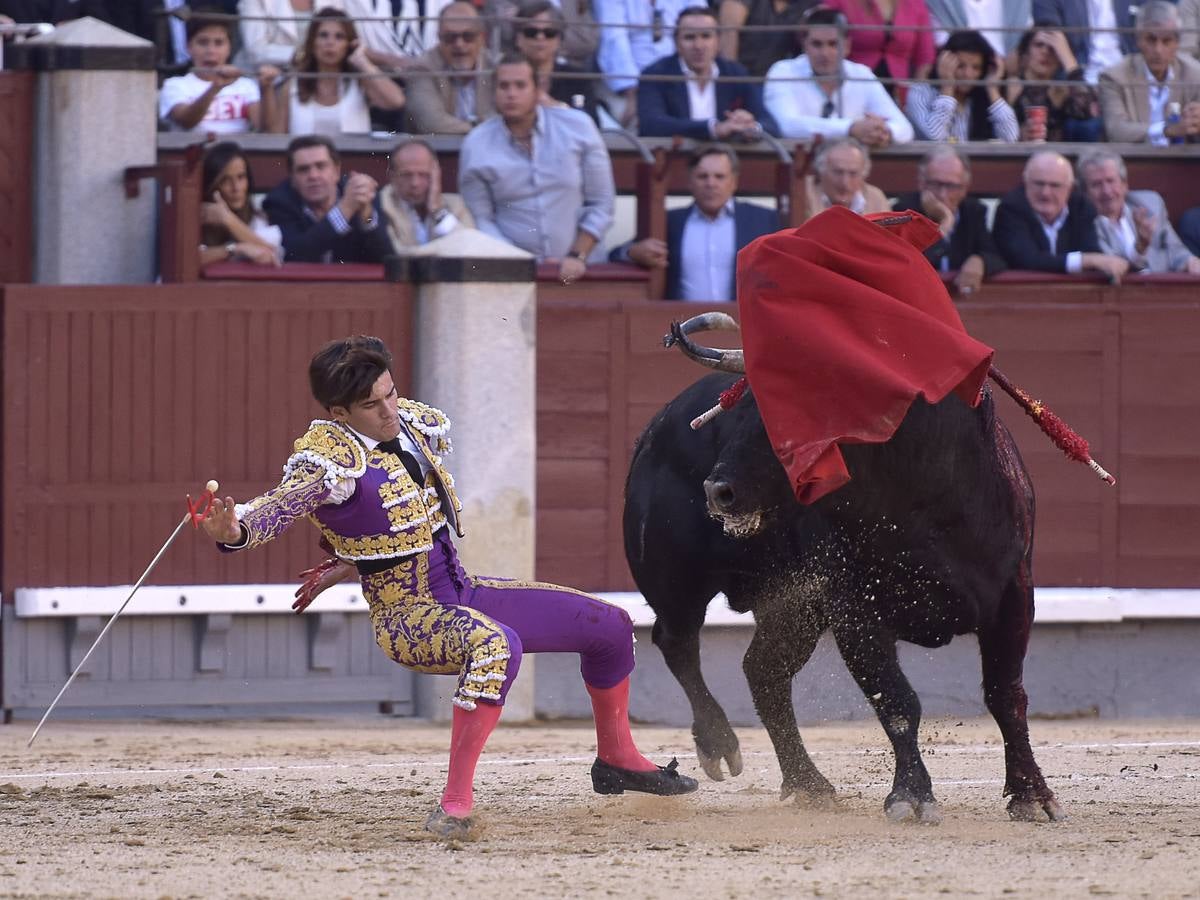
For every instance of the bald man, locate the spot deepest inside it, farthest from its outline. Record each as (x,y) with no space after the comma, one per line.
(1047,226)
(455,102)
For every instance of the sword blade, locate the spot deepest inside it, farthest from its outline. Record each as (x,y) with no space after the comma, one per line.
(104,631)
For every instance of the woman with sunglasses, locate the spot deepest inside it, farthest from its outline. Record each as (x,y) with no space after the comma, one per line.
(325,97)
(539,30)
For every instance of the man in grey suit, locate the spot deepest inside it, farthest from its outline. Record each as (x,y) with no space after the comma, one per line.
(1136,93)
(1132,224)
(455,103)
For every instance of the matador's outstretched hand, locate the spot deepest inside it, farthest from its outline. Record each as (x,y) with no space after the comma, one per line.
(221,523)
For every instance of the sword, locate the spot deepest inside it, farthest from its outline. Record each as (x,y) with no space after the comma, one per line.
(195,515)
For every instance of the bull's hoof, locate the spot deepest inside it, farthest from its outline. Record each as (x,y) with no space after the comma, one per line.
(1023,810)
(712,764)
(906,809)
(903,806)
(813,790)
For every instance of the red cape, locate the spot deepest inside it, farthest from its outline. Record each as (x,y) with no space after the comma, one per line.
(844,323)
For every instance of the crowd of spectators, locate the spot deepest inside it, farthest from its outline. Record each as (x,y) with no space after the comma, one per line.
(528,84)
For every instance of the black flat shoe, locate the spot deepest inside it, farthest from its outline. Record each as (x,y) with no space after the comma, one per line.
(664,781)
(447,826)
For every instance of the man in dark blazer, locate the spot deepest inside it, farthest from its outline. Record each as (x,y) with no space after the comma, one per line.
(323,216)
(703,240)
(704,107)
(966,247)
(1047,226)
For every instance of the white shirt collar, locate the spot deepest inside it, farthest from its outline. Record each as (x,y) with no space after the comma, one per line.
(714,72)
(726,210)
(1154,82)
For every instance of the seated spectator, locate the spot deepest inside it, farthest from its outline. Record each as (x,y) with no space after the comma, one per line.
(1091,29)
(452,104)
(416,209)
(957,108)
(273,30)
(325,97)
(1000,24)
(1072,108)
(323,216)
(704,106)
(842,166)
(943,180)
(1131,224)
(1135,93)
(1045,226)
(1189,24)
(215,96)
(539,31)
(759,50)
(703,240)
(231,227)
(580,37)
(820,92)
(538,176)
(897,43)
(625,51)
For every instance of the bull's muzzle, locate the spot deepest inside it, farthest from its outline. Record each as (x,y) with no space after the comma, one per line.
(721,497)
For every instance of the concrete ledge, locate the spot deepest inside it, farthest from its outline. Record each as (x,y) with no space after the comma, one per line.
(1053,605)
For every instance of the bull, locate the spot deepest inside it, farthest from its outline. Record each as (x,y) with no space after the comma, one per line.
(931,538)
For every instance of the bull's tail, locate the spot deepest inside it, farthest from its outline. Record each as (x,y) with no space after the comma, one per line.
(1064,437)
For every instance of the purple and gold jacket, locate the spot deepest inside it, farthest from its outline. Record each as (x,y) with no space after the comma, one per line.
(387,513)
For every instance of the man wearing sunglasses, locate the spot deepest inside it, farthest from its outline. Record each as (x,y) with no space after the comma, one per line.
(704,106)
(540,28)
(452,91)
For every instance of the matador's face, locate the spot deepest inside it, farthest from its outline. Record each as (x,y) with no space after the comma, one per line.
(374,416)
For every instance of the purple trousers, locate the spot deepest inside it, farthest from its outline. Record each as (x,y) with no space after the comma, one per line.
(431,616)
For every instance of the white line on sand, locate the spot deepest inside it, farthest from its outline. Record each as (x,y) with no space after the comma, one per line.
(931,750)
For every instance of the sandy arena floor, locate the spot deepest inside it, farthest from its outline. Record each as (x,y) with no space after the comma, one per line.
(334,807)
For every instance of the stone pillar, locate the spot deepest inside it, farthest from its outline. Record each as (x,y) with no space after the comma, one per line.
(474,358)
(95,114)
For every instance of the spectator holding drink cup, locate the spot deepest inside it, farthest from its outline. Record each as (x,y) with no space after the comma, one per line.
(1071,106)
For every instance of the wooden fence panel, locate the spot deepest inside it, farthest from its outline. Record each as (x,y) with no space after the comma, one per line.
(16,176)
(123,399)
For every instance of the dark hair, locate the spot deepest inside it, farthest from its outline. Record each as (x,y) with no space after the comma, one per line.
(705,150)
(515,58)
(979,127)
(307,57)
(207,17)
(696,11)
(823,17)
(531,9)
(306,141)
(215,160)
(343,372)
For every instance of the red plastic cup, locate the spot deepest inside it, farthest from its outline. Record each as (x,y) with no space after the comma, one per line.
(1035,116)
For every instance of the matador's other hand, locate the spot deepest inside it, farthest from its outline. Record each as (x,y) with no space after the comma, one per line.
(221,523)
(318,579)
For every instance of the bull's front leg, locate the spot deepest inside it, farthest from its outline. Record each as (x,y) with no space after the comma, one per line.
(715,740)
(783,642)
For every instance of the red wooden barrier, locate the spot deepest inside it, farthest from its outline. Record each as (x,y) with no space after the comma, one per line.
(16,176)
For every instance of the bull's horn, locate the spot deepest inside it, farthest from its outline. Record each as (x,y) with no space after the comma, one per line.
(722,360)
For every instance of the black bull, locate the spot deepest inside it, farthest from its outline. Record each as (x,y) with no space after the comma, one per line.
(931,538)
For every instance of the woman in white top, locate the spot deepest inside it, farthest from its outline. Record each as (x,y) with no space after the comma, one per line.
(231,227)
(321,99)
(957,108)
(215,96)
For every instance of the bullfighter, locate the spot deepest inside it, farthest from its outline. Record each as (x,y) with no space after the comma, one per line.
(373,481)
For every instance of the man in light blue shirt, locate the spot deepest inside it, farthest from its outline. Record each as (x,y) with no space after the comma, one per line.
(538,176)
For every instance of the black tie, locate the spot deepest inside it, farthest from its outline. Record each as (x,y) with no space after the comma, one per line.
(410,462)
